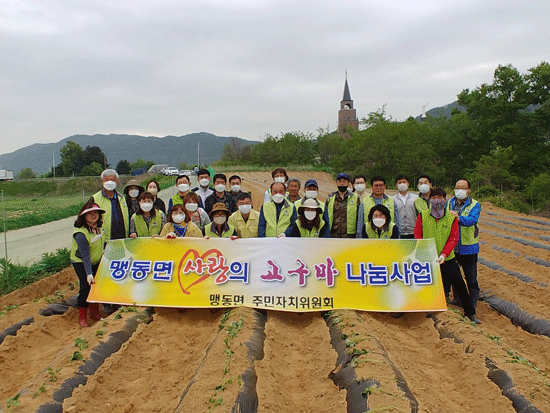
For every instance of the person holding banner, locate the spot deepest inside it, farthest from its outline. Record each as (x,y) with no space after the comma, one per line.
(245,219)
(277,215)
(442,226)
(198,215)
(310,221)
(379,225)
(86,252)
(147,221)
(219,227)
(179,224)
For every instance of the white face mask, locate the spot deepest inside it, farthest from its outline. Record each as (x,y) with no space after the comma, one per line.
(245,209)
(379,222)
(424,188)
(219,220)
(183,187)
(146,206)
(350,190)
(191,206)
(204,182)
(178,218)
(311,194)
(109,185)
(360,187)
(220,187)
(280,179)
(310,215)
(278,198)
(134,193)
(152,191)
(461,194)
(235,188)
(402,187)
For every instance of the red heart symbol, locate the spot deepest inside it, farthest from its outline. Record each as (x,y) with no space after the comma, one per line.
(196,255)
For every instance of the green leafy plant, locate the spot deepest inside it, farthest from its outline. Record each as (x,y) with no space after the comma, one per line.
(76,356)
(81,343)
(53,374)
(13,402)
(99,333)
(41,389)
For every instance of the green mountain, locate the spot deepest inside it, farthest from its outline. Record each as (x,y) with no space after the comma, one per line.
(169,150)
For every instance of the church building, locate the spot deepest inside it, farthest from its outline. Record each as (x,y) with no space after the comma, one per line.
(347,115)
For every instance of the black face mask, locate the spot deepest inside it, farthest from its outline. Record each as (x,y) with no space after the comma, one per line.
(342,188)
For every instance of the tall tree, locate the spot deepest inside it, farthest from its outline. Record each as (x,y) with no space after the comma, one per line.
(123,167)
(72,158)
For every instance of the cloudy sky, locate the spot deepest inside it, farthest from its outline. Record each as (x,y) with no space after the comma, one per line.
(246,68)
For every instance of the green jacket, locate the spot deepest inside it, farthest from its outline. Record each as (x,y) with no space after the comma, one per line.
(96,245)
(105,203)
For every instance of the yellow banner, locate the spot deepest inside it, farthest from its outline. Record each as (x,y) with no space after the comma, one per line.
(289,274)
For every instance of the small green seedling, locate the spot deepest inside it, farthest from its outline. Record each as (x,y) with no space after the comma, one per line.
(53,374)
(76,356)
(81,343)
(41,389)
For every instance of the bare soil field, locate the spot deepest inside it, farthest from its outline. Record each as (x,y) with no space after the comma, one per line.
(244,360)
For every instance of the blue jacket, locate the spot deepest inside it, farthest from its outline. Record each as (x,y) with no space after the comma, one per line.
(466,221)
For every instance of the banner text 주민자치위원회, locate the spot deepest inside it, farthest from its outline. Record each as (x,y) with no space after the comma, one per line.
(288,274)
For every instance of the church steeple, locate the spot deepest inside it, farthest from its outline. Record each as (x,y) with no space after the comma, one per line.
(347,116)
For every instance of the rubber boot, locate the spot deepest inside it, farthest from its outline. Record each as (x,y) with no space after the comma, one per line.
(94,311)
(82,317)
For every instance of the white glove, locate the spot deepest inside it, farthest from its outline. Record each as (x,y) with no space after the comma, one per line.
(170,235)
(281,235)
(441,259)
(90,279)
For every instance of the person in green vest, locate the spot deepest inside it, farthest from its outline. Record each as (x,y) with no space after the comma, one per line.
(147,221)
(183,185)
(116,219)
(343,208)
(378,196)
(310,222)
(277,215)
(379,225)
(442,226)
(86,252)
(424,186)
(179,224)
(220,227)
(245,219)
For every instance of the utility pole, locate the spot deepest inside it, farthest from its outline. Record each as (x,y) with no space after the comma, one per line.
(198,154)
(5,240)
(53,162)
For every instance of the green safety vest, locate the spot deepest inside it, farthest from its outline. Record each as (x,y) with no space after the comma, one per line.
(105,203)
(154,228)
(177,199)
(383,235)
(313,233)
(96,245)
(351,212)
(468,235)
(368,203)
(213,234)
(421,205)
(438,230)
(274,227)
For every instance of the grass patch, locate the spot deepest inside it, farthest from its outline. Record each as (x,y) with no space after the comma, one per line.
(14,276)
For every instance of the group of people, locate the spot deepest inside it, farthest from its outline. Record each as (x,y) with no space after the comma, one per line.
(211,211)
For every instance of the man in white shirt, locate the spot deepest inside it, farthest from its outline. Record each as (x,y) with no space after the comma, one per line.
(405,207)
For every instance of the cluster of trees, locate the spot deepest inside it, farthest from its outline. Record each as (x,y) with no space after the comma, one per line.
(498,138)
(76,161)
(138,167)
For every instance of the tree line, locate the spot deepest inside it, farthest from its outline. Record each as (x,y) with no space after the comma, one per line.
(498,138)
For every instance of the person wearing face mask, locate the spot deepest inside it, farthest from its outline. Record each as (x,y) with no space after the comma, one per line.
(203,190)
(378,187)
(359,185)
(424,186)
(153,188)
(219,227)
(235,187)
(312,192)
(342,208)
(310,222)
(404,207)
(116,218)
(466,210)
(220,195)
(442,226)
(86,251)
(183,185)
(199,217)
(245,219)
(277,215)
(179,224)
(132,191)
(147,220)
(379,225)
(279,175)
(293,194)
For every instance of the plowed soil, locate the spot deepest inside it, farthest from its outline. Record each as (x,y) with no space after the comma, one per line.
(244,360)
